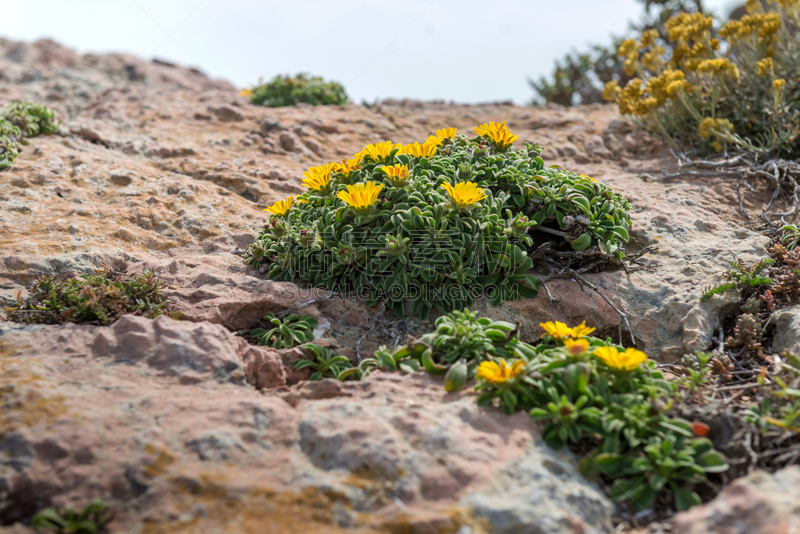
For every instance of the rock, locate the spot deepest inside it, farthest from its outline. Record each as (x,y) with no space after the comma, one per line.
(538,489)
(291,143)
(122,177)
(760,503)
(226,113)
(594,146)
(787,330)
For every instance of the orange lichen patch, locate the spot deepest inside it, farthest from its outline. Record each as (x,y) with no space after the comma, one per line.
(23,401)
(163,459)
(261,511)
(441,523)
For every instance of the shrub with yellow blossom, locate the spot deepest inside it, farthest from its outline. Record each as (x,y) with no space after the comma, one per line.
(436,223)
(607,401)
(737,86)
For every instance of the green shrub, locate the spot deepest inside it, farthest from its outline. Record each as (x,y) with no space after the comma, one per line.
(100,298)
(90,520)
(289,332)
(302,88)
(707,88)
(437,224)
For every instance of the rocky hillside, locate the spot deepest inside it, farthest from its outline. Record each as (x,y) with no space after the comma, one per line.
(183,426)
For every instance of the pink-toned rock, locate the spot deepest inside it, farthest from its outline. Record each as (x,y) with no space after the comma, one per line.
(760,503)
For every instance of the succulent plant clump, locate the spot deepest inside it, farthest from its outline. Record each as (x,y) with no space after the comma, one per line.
(437,224)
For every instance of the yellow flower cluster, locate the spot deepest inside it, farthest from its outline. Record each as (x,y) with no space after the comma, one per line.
(779,84)
(763,25)
(709,126)
(765,67)
(720,65)
(498,133)
(632,100)
(667,84)
(499,372)
(686,27)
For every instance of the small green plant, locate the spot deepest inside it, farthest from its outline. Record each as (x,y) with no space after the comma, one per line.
(90,520)
(31,119)
(738,277)
(398,359)
(100,298)
(302,88)
(20,120)
(790,236)
(289,332)
(666,461)
(323,363)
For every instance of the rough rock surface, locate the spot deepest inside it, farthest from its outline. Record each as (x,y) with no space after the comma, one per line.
(175,423)
(760,503)
(157,415)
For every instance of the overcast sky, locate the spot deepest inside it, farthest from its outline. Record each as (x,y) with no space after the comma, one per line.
(462,50)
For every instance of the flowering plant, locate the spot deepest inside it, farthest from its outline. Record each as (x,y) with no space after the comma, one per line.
(736,86)
(438,223)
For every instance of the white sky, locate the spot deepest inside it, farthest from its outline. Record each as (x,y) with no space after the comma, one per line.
(461,50)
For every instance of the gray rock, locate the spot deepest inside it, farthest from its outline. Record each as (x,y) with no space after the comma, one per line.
(226,113)
(760,503)
(541,493)
(787,330)
(122,177)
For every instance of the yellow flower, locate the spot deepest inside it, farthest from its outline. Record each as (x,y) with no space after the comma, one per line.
(397,174)
(245,92)
(715,66)
(464,193)
(588,177)
(622,361)
(281,208)
(557,330)
(441,135)
(629,48)
(719,147)
(611,90)
(561,331)
(379,151)
(348,165)
(318,178)
(499,373)
(425,150)
(779,84)
(582,330)
(576,346)
(498,133)
(764,67)
(648,38)
(715,127)
(361,196)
